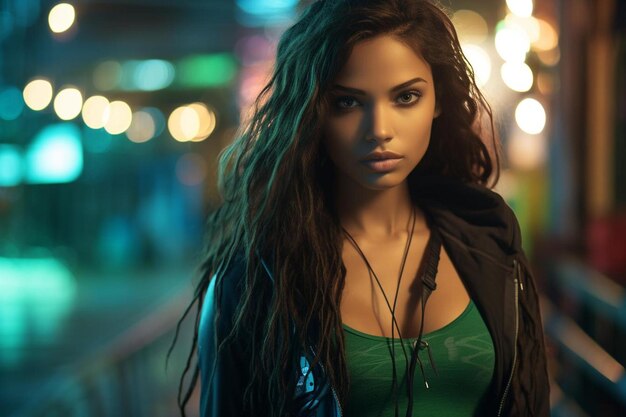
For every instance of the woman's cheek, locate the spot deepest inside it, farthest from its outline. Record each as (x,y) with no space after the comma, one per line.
(339,140)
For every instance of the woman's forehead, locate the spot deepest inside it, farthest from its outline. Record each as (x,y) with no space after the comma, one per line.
(382,61)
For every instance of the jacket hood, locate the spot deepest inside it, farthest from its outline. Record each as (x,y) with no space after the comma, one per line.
(474,214)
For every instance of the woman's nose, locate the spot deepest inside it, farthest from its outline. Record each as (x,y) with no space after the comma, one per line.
(379,126)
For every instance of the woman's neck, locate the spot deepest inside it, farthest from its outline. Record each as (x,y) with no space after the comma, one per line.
(376,214)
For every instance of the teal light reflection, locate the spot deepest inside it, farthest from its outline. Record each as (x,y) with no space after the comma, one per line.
(148,75)
(55,156)
(153,74)
(35,296)
(255,13)
(11,166)
(266,7)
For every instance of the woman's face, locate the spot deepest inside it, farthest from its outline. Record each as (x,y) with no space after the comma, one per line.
(383,100)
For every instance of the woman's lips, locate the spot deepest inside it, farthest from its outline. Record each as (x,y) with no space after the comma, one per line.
(382,165)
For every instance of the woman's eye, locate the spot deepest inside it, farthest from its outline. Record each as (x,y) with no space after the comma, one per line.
(410,97)
(345,102)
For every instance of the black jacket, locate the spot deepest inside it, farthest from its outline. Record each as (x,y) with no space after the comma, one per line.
(482,238)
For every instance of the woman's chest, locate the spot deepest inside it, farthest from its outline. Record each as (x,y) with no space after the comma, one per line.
(366,301)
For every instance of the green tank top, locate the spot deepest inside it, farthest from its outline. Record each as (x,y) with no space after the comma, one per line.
(463,354)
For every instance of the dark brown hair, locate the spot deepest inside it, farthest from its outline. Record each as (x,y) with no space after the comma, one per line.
(277,200)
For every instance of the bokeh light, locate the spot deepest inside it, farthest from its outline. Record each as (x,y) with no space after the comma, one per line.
(148,75)
(522,8)
(251,81)
(207,121)
(265,12)
(12,164)
(549,58)
(117,117)
(142,127)
(93,111)
(61,17)
(529,24)
(38,94)
(206,70)
(517,76)
(36,293)
(253,49)
(548,38)
(55,155)
(527,152)
(68,103)
(261,7)
(471,27)
(545,83)
(480,61)
(184,124)
(153,74)
(512,41)
(530,116)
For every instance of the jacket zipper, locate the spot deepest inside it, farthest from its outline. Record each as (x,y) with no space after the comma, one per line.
(517,282)
(337,400)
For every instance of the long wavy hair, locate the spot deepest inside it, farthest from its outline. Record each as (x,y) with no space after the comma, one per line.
(276,188)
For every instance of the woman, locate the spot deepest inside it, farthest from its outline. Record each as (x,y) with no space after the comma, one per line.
(359,264)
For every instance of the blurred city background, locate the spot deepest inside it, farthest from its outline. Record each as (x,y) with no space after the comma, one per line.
(112,114)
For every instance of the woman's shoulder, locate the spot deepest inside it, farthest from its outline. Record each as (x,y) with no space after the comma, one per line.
(472,213)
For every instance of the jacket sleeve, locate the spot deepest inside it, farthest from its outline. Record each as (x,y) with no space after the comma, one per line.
(533,362)
(222,375)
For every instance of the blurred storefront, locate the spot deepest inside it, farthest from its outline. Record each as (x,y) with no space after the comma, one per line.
(583,258)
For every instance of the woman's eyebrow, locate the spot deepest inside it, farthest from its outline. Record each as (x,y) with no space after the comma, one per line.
(396,88)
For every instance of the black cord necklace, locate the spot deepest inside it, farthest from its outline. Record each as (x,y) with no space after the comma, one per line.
(428,279)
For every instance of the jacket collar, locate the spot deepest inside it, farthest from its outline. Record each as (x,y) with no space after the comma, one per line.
(472,214)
